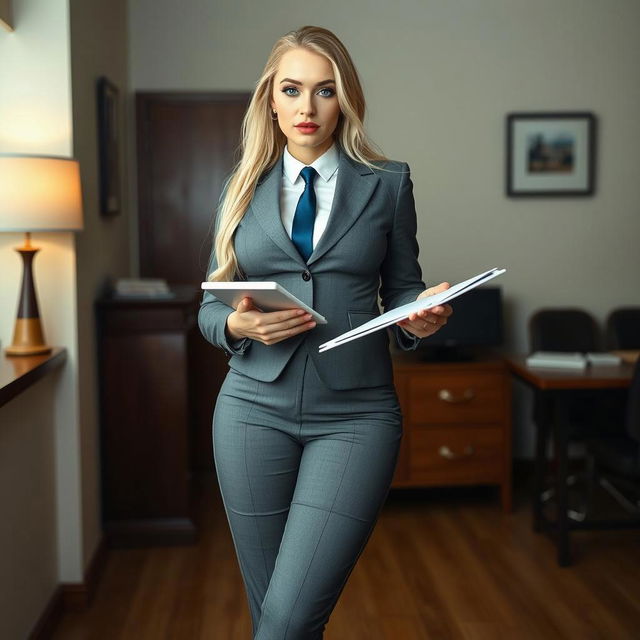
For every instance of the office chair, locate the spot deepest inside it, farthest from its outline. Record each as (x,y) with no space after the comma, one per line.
(623,328)
(567,329)
(563,329)
(618,455)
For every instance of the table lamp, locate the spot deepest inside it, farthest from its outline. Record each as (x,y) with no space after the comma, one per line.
(37,193)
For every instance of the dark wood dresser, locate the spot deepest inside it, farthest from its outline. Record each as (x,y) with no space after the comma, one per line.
(457,423)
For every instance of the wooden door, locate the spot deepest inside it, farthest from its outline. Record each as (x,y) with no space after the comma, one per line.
(187,145)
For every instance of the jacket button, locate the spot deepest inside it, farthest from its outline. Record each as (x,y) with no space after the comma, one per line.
(306,276)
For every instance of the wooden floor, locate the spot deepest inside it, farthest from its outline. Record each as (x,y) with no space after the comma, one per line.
(440,565)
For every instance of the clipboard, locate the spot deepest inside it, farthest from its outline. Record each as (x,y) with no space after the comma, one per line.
(395,315)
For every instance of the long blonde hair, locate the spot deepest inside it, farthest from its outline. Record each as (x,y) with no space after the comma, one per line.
(262,141)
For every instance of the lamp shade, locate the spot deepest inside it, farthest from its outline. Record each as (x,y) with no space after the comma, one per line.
(39,193)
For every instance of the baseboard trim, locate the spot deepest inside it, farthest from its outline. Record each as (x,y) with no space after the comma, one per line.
(50,617)
(75,596)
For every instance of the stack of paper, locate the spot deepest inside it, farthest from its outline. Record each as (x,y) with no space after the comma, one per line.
(557,359)
(603,359)
(142,288)
(391,317)
(574,360)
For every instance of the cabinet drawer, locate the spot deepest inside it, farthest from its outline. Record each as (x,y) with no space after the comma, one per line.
(457,456)
(446,399)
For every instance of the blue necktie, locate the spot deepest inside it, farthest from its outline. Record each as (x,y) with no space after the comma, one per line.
(305,215)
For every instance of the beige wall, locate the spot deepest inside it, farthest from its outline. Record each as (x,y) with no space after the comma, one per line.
(39,439)
(440,77)
(49,435)
(98,46)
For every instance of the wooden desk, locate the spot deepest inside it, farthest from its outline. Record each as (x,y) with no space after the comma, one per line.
(554,388)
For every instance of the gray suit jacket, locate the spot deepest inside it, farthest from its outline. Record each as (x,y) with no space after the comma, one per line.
(368,247)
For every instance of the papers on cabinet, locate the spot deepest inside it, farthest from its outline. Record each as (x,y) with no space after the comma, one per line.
(142,288)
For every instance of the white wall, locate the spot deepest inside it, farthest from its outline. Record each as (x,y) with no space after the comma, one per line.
(439,77)
(40,427)
(98,46)
(49,435)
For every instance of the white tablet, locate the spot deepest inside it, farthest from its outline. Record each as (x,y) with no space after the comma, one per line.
(267,296)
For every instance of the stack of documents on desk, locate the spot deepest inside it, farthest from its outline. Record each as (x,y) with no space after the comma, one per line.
(603,359)
(574,360)
(557,360)
(391,317)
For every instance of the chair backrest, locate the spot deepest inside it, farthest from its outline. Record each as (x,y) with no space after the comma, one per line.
(633,405)
(623,328)
(563,329)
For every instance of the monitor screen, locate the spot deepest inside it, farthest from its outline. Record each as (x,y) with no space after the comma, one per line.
(476,321)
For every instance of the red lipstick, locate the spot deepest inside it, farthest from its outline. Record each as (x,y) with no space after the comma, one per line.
(307,127)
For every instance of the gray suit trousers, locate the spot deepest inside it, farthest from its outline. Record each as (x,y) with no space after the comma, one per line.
(303,471)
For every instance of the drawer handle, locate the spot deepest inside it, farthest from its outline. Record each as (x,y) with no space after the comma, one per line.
(445,452)
(446,395)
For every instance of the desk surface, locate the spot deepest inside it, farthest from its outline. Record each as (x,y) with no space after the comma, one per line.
(19,372)
(590,378)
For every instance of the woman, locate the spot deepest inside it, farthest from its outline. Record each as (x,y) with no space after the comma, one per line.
(305,444)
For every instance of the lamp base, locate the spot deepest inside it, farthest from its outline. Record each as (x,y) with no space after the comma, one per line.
(28,338)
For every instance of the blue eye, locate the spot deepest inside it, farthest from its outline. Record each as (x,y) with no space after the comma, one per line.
(325,92)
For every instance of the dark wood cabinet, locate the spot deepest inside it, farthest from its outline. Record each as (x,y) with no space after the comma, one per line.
(147,418)
(159,378)
(457,424)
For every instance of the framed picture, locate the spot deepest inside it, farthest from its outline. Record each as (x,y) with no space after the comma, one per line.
(6,15)
(550,154)
(108,146)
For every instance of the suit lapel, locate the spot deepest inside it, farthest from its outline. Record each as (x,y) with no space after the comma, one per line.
(266,208)
(355,186)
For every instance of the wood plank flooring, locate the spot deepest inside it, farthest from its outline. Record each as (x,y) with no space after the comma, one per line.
(441,565)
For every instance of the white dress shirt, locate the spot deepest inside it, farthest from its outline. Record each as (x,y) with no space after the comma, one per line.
(324,185)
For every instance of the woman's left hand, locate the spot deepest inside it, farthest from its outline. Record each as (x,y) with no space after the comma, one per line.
(428,321)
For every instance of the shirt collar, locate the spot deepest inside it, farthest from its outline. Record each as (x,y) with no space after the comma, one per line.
(326,165)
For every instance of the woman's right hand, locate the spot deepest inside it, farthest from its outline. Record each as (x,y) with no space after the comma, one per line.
(267,327)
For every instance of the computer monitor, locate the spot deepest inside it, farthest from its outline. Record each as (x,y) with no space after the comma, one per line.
(476,322)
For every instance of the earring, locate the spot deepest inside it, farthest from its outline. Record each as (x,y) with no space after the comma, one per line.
(274,113)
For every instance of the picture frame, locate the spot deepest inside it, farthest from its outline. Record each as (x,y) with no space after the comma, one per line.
(108,146)
(6,15)
(550,154)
